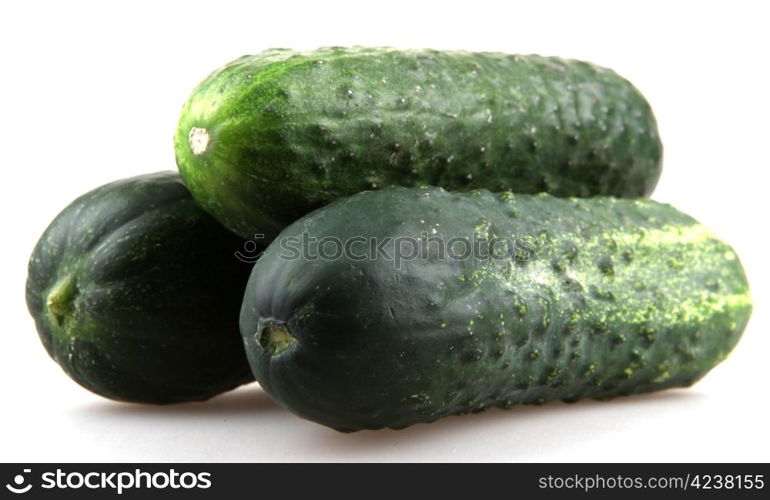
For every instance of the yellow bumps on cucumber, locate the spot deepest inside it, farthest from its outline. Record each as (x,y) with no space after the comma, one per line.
(559,299)
(269,137)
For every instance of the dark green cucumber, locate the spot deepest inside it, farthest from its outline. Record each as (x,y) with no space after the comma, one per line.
(135,292)
(269,137)
(578,298)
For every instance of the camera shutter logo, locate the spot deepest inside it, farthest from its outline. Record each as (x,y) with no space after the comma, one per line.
(17,485)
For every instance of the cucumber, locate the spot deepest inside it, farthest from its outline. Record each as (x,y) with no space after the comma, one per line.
(586,298)
(135,292)
(267,138)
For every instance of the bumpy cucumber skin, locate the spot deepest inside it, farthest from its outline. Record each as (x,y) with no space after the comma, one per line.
(135,292)
(616,297)
(287,132)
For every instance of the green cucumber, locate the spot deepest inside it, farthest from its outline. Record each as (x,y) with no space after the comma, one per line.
(267,138)
(135,292)
(584,298)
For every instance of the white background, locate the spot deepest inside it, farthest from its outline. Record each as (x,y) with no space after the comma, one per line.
(90,92)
